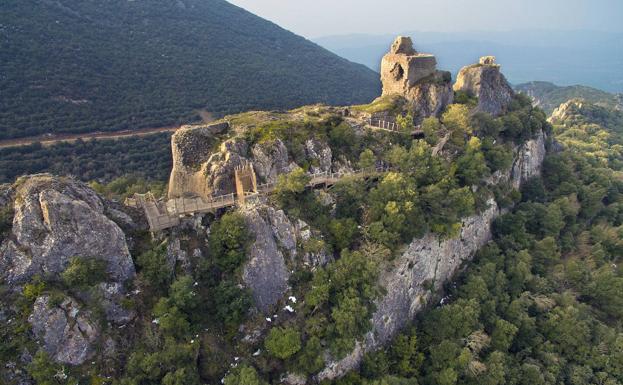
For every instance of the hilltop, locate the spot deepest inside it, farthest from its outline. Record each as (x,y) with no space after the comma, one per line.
(80,66)
(549,96)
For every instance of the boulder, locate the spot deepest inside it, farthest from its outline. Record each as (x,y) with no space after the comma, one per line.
(319,155)
(485,82)
(270,159)
(57,219)
(68,334)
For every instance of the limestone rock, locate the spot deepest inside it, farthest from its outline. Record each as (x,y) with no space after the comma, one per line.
(55,220)
(528,161)
(270,159)
(319,154)
(486,82)
(266,273)
(68,333)
(192,147)
(431,98)
(111,295)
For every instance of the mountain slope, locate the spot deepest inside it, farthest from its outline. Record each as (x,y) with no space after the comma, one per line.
(77,66)
(549,96)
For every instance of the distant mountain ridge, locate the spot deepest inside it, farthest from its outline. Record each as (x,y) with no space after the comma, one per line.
(562,57)
(549,96)
(85,65)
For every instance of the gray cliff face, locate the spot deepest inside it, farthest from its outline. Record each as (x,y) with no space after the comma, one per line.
(270,160)
(266,273)
(420,272)
(55,220)
(68,333)
(486,82)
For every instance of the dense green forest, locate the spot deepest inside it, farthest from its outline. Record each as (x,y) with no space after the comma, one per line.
(103,160)
(549,96)
(78,66)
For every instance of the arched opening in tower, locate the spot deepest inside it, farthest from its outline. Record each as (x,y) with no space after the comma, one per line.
(398,72)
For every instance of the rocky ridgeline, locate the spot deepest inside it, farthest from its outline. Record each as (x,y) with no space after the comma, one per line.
(57,219)
(430,259)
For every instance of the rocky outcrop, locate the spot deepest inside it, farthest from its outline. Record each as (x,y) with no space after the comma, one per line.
(270,159)
(191,147)
(432,97)
(485,82)
(319,155)
(68,334)
(266,273)
(57,219)
(414,76)
(420,272)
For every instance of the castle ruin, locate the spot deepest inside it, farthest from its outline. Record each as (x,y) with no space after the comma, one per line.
(403,67)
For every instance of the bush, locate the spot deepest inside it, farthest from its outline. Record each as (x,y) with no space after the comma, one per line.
(228,241)
(283,342)
(84,272)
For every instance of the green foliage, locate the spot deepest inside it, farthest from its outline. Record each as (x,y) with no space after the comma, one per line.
(243,375)
(45,372)
(343,232)
(405,123)
(154,268)
(232,304)
(283,342)
(341,298)
(367,159)
(431,127)
(228,241)
(126,186)
(146,157)
(83,272)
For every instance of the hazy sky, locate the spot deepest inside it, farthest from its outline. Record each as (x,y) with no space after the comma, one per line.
(315,18)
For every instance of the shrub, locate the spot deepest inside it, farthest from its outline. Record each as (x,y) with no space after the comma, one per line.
(283,342)
(84,272)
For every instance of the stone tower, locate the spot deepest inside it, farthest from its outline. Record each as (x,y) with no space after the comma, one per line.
(403,67)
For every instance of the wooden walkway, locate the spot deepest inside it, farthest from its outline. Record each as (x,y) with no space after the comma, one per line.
(163,215)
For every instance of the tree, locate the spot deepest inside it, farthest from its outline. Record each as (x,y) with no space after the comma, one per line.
(155,268)
(503,335)
(343,232)
(84,272)
(367,159)
(431,127)
(228,241)
(243,375)
(405,123)
(283,342)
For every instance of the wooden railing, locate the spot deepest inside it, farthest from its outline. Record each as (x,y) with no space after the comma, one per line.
(162,215)
(384,125)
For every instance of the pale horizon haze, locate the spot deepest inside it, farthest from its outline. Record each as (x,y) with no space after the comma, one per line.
(317,18)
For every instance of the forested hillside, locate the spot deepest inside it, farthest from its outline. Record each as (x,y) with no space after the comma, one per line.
(541,304)
(549,96)
(77,66)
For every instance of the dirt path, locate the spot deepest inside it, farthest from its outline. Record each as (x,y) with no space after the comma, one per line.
(48,140)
